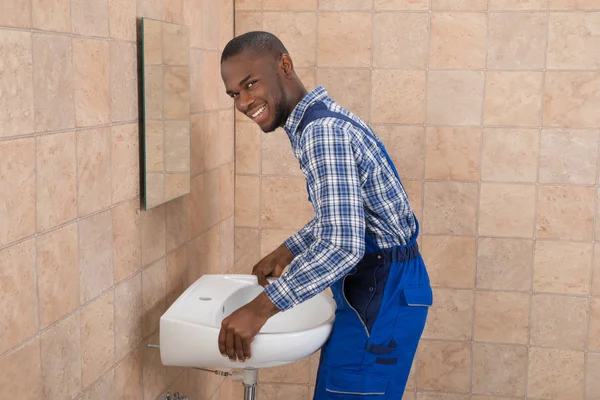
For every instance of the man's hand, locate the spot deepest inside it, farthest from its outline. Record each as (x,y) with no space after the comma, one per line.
(272,265)
(239,329)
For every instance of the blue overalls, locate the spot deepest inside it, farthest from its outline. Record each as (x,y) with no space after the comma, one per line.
(382,306)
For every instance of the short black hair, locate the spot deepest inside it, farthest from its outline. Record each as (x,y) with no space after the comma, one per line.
(258,42)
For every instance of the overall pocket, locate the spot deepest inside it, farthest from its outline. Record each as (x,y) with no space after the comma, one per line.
(352,383)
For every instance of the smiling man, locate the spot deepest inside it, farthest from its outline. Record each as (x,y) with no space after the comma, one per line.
(361,242)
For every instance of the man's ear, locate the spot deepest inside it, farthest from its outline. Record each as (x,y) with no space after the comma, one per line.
(286,65)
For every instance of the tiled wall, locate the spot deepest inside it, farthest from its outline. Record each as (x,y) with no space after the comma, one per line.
(490,110)
(84,273)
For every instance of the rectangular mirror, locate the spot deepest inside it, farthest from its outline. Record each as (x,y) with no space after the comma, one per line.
(166,111)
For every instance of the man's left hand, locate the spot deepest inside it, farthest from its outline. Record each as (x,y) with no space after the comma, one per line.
(239,329)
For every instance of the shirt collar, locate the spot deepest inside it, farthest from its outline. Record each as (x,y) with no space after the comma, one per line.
(291,125)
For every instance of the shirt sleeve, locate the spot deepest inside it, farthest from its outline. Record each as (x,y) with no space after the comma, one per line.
(339,225)
(302,239)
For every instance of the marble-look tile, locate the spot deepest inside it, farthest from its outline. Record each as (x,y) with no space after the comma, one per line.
(124,81)
(91,67)
(90,17)
(128,315)
(127,240)
(97,338)
(21,373)
(353,29)
(93,170)
(96,265)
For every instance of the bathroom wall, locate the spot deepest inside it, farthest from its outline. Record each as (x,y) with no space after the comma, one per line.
(84,273)
(490,111)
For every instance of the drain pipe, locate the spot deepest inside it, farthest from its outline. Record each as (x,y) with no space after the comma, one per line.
(249,377)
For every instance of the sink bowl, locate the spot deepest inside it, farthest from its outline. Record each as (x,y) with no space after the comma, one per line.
(189,329)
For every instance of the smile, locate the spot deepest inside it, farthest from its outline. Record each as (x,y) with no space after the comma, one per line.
(259,112)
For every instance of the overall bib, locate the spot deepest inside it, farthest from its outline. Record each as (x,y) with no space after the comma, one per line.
(382,306)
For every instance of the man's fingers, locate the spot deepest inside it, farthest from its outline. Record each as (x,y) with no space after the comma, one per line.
(239,350)
(222,337)
(246,346)
(262,280)
(230,345)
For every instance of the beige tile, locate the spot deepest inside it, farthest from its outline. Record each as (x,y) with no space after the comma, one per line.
(211,141)
(571,99)
(20,373)
(455,97)
(353,5)
(504,264)
(57,263)
(16,14)
(227,191)
(211,80)
(594,334)
(450,260)
(212,250)
(50,15)
(154,9)
(97,338)
(406,147)
(517,40)
(154,295)
(56,180)
(125,160)
(510,155)
(19,302)
(226,137)
(247,21)
(53,83)
(176,44)
(507,210)
(93,170)
(414,190)
(124,81)
(226,22)
(284,203)
(177,269)
(177,146)
(152,49)
(573,5)
(247,249)
(290,392)
(451,315)
(574,42)
(176,92)
(104,388)
(297,31)
(596,272)
(210,25)
(197,143)
(90,17)
(470,5)
(61,359)
(518,5)
(18,163)
(248,5)
(272,238)
(212,197)
(501,317)
(404,89)
(452,153)
(307,76)
(153,234)
(400,40)
(289,5)
(92,91)
(153,92)
(154,141)
(352,29)
(247,208)
(562,267)
(444,366)
(248,146)
(592,381)
(565,212)
(435,396)
(499,369)
(296,372)
(457,40)
(568,156)
(176,223)
(96,265)
(174,11)
(277,155)
(450,207)
(127,240)
(559,322)
(176,185)
(513,98)
(128,315)
(17,115)
(555,374)
(192,17)
(195,222)
(411,5)
(350,88)
(129,377)
(122,22)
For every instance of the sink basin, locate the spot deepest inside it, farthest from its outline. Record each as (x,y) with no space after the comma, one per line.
(189,329)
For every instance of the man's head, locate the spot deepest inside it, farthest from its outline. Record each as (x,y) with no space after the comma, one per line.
(259,75)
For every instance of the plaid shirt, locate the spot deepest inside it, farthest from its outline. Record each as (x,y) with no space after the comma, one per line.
(354,192)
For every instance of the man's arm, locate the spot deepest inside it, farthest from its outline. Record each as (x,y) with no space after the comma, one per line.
(302,239)
(339,224)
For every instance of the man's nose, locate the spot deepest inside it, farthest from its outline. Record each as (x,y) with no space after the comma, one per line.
(245,101)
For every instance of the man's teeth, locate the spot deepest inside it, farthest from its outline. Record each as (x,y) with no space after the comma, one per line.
(256,114)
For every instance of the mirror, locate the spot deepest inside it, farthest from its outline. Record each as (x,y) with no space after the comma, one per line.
(166,111)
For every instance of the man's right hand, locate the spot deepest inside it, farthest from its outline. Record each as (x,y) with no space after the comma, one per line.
(272,265)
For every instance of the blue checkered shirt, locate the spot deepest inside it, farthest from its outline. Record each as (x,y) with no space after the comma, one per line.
(354,192)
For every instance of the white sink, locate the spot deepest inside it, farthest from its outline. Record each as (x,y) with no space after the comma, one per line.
(189,329)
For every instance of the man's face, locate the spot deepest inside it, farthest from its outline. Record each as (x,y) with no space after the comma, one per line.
(256,86)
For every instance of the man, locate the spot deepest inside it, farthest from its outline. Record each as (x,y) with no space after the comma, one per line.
(361,242)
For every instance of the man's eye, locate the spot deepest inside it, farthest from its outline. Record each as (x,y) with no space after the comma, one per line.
(251,84)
